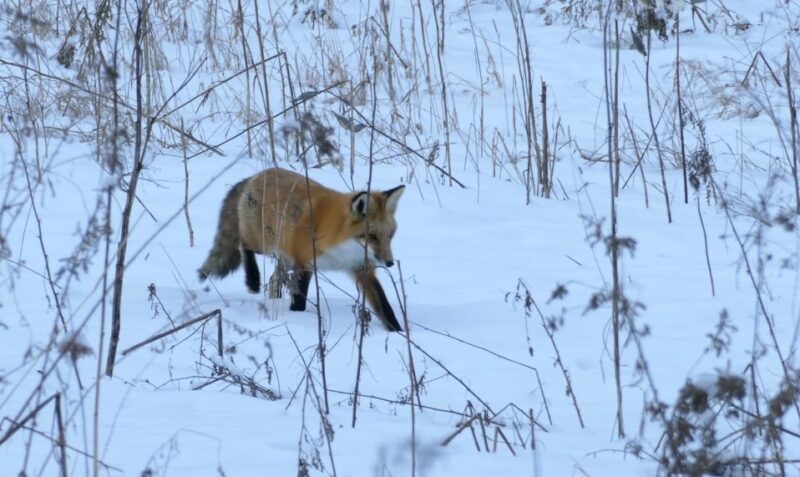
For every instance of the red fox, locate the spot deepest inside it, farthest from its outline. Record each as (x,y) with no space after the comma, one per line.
(274,212)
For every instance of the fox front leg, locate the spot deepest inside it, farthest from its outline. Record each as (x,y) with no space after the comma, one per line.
(373,291)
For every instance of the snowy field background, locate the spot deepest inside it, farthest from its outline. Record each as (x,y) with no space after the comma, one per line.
(509,283)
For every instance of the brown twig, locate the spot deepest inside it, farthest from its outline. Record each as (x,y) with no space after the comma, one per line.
(705,247)
(793,128)
(321,345)
(446,370)
(300,100)
(564,372)
(544,176)
(142,135)
(614,125)
(499,432)
(681,122)
(113,100)
(40,236)
(412,373)
(524,65)
(467,423)
(653,130)
(68,447)
(787,373)
(361,309)
(439,23)
(639,158)
(205,317)
(186,190)
(239,15)
(18,423)
(217,84)
(138,165)
(752,67)
(265,85)
(495,354)
(62,439)
(612,116)
(403,145)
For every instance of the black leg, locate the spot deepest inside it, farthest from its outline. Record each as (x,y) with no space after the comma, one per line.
(252,277)
(385,312)
(303,278)
(376,297)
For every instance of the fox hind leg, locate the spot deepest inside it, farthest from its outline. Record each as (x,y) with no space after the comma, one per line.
(252,277)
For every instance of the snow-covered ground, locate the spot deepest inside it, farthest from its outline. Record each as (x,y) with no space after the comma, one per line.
(490,380)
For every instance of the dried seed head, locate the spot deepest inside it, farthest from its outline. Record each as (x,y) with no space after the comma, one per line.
(75,345)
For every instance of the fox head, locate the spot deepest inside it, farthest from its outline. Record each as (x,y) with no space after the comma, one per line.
(373,219)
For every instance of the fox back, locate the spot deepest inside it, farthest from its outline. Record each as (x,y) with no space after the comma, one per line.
(279,212)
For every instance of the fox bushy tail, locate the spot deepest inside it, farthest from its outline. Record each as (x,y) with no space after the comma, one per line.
(224,256)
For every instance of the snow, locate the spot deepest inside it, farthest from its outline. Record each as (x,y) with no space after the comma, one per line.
(174,407)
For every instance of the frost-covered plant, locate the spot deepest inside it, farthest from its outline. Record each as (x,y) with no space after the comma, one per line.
(713,431)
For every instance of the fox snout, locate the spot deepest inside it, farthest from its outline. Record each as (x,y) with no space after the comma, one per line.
(381,251)
(389,262)
(385,258)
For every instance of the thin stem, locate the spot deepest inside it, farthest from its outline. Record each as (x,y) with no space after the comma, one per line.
(139,145)
(680,106)
(440,29)
(653,126)
(705,245)
(265,83)
(412,373)
(793,130)
(616,293)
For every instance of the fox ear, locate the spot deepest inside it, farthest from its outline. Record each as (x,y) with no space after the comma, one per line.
(358,206)
(392,196)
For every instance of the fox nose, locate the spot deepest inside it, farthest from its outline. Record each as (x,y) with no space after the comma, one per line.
(389,263)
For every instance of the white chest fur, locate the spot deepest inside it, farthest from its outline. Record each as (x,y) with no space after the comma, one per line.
(345,256)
